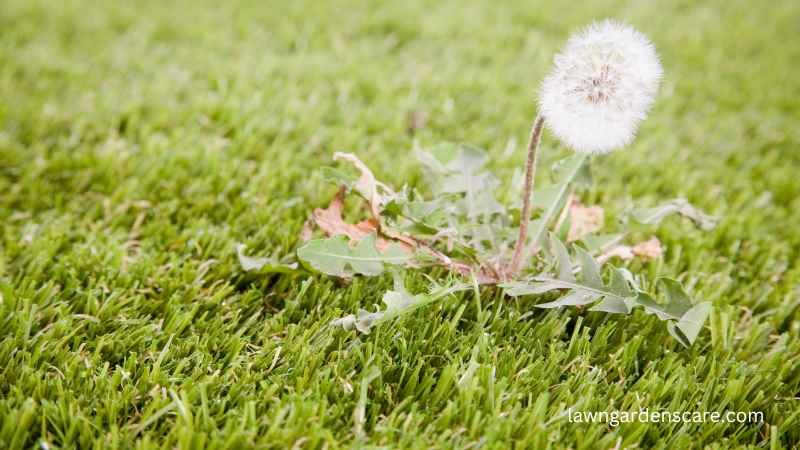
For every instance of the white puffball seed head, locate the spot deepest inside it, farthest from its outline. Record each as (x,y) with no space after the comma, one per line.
(601,87)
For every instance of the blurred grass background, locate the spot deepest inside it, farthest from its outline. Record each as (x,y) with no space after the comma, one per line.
(139,141)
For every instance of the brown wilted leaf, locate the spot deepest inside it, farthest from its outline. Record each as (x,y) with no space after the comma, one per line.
(646,251)
(367,185)
(649,249)
(416,120)
(621,251)
(584,220)
(330,221)
(308,229)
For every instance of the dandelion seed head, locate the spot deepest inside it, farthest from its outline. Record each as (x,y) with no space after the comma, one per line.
(601,87)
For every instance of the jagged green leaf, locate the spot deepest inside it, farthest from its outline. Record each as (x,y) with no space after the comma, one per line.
(692,321)
(479,200)
(678,301)
(448,157)
(430,214)
(576,297)
(562,259)
(620,284)
(650,306)
(520,288)
(335,256)
(459,170)
(467,159)
(675,206)
(619,296)
(265,265)
(361,321)
(466,216)
(398,302)
(590,271)
(437,157)
(676,333)
(628,276)
(614,305)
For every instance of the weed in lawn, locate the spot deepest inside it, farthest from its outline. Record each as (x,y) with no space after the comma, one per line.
(210,121)
(601,88)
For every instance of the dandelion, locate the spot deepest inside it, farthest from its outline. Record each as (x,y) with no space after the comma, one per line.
(600,89)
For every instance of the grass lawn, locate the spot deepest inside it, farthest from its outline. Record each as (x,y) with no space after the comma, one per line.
(140,141)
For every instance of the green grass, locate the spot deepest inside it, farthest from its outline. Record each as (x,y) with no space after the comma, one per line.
(139,142)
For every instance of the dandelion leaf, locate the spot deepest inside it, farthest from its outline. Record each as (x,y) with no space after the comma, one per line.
(264,265)
(652,216)
(398,301)
(334,256)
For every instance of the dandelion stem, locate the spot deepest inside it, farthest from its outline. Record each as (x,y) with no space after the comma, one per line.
(525,215)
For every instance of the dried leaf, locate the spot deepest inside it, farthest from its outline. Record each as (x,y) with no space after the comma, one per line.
(330,221)
(416,120)
(584,220)
(649,249)
(623,252)
(375,192)
(308,230)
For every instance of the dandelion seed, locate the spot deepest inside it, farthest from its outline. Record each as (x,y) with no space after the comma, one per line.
(601,87)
